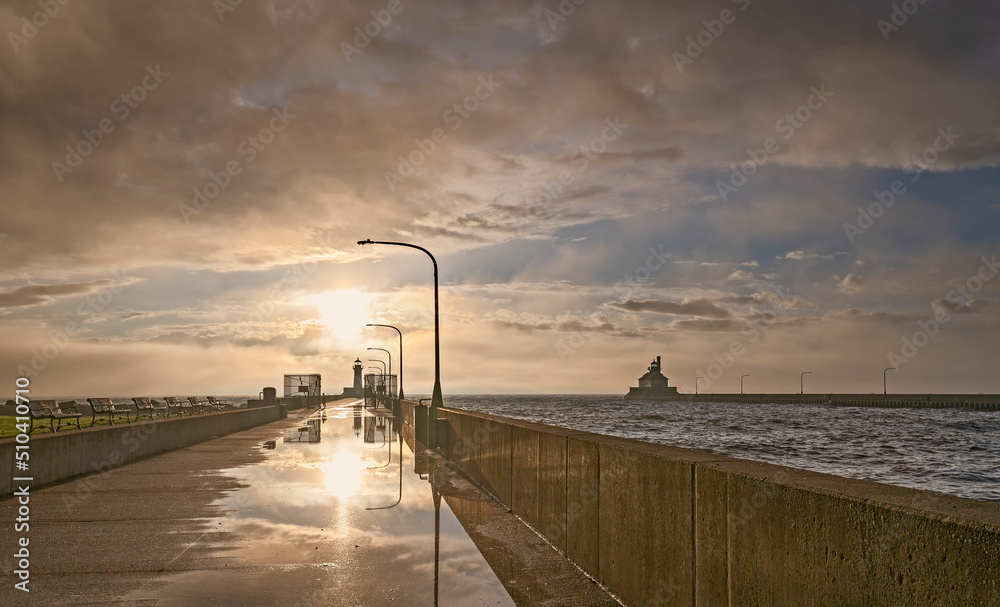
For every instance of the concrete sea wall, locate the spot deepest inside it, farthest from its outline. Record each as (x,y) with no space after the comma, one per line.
(55,457)
(659,525)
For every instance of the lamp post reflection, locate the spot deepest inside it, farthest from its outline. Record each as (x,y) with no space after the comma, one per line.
(400,498)
(385,465)
(370,427)
(430,470)
(437,536)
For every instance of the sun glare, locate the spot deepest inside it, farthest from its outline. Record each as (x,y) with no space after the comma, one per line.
(343,314)
(342,475)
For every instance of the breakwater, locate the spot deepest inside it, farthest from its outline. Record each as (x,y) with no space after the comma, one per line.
(660,525)
(984,402)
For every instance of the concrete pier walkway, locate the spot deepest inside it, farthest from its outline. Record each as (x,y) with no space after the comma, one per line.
(337,510)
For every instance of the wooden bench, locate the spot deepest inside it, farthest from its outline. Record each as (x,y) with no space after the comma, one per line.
(104,406)
(179,407)
(48,409)
(147,407)
(221,406)
(197,404)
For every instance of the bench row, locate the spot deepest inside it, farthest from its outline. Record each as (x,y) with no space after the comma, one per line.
(68,412)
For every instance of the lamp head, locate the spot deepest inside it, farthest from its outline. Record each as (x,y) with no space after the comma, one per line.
(364,242)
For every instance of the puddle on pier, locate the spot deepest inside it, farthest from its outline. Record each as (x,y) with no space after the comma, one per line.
(336,515)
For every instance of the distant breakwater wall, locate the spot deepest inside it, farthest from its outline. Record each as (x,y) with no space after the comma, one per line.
(70,453)
(983,402)
(660,525)
(295,402)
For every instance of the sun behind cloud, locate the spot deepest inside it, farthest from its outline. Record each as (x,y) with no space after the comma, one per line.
(342,314)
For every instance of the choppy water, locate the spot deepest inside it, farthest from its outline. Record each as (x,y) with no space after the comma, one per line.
(953,451)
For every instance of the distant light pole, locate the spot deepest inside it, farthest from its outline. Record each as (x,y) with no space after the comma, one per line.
(436,399)
(401,397)
(802,382)
(381,371)
(696,383)
(884,391)
(390,368)
(741,382)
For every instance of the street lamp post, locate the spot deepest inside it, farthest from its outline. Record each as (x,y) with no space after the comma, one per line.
(390,367)
(436,399)
(741,381)
(382,378)
(401,397)
(802,381)
(884,391)
(696,383)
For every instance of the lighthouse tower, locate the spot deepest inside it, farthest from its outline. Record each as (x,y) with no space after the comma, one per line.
(359,388)
(653,385)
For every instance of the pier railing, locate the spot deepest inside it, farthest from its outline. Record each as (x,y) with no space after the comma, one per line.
(660,525)
(984,402)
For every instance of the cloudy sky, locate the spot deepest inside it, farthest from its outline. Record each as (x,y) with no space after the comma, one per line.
(741,187)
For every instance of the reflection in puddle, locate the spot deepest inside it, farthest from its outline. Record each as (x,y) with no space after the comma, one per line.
(330,519)
(309,433)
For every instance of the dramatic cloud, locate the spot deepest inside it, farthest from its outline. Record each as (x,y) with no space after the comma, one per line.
(42,294)
(852,283)
(229,162)
(697,307)
(740,275)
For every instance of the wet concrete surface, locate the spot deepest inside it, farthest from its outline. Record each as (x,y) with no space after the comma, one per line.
(328,507)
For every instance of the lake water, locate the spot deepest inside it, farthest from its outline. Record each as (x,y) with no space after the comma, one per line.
(952,451)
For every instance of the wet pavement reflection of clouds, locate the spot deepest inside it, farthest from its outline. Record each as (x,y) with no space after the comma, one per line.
(300,520)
